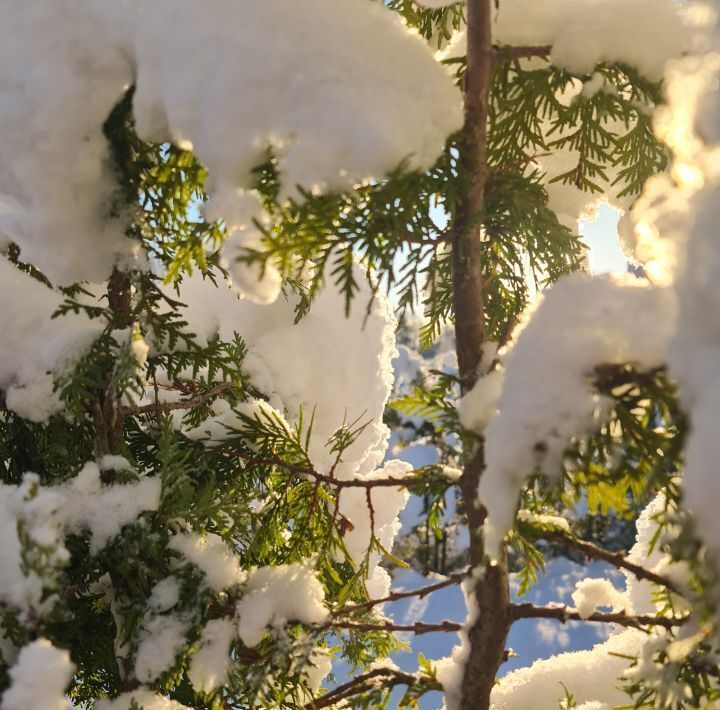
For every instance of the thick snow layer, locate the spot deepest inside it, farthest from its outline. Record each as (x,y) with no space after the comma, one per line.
(161,640)
(35,346)
(47,513)
(104,510)
(479,405)
(582,33)
(210,554)
(209,664)
(59,78)
(326,103)
(39,678)
(588,675)
(676,227)
(227,79)
(592,594)
(548,397)
(275,595)
(386,506)
(341,366)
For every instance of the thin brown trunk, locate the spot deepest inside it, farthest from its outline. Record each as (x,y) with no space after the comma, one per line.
(488,632)
(107,409)
(109,420)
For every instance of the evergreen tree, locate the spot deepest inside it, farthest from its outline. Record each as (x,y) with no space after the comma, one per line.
(203,209)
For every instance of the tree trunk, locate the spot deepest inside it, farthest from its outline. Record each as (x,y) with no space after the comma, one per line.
(488,631)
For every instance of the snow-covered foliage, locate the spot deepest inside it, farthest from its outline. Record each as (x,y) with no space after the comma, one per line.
(38,678)
(202,208)
(276,595)
(329,116)
(548,397)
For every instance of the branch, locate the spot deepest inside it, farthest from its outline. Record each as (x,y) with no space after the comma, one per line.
(522,52)
(563,614)
(185,404)
(396,596)
(418,628)
(365,682)
(617,559)
(298,470)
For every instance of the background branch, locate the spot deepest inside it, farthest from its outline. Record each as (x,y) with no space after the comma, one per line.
(563,614)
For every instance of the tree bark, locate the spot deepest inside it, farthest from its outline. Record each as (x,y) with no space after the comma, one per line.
(490,624)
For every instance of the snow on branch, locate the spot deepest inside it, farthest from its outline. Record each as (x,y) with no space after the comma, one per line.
(622,618)
(387,677)
(579,35)
(548,397)
(616,559)
(396,596)
(227,80)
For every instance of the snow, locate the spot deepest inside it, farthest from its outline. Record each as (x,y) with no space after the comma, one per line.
(555,521)
(645,34)
(60,78)
(162,639)
(588,675)
(479,405)
(675,230)
(387,502)
(327,107)
(209,664)
(39,678)
(143,698)
(331,355)
(164,595)
(592,676)
(211,555)
(275,595)
(104,510)
(47,513)
(591,594)
(450,670)
(35,509)
(548,397)
(318,667)
(35,348)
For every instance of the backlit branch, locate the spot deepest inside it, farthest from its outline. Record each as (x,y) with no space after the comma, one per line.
(616,559)
(563,614)
(387,677)
(396,596)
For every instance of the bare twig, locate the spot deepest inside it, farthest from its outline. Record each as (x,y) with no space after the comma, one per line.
(160,407)
(563,614)
(418,628)
(389,677)
(368,484)
(523,52)
(616,559)
(396,596)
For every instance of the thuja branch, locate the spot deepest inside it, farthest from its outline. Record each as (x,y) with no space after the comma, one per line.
(389,678)
(303,470)
(616,559)
(522,52)
(396,596)
(563,614)
(194,403)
